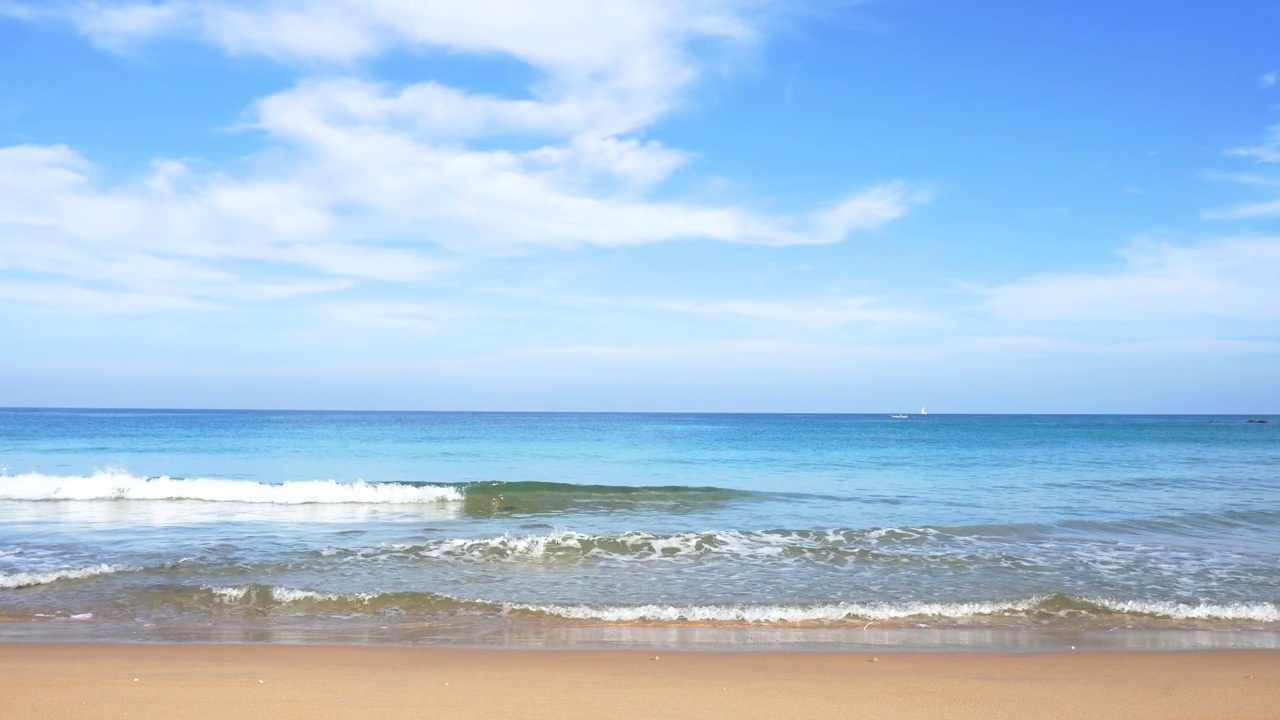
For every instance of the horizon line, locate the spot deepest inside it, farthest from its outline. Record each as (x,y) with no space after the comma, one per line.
(38,408)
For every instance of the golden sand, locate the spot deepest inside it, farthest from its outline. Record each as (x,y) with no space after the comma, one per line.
(322,683)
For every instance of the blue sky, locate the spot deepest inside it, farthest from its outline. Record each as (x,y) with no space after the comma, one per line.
(707,205)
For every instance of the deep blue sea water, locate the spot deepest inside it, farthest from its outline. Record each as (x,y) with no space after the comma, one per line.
(551,529)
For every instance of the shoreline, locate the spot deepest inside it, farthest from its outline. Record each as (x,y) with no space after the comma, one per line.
(520,636)
(82,680)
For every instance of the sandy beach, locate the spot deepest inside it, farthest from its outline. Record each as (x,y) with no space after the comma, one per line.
(57,680)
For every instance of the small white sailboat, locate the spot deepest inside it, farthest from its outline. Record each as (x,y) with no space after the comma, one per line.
(923,411)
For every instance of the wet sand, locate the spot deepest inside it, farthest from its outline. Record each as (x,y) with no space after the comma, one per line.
(56,680)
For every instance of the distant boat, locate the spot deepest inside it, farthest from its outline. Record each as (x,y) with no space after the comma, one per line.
(900,417)
(923,411)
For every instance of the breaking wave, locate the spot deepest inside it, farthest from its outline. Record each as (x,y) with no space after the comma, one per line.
(1050,606)
(121,486)
(12,581)
(1055,605)
(477,498)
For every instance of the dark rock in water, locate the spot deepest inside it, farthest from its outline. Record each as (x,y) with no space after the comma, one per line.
(1261,421)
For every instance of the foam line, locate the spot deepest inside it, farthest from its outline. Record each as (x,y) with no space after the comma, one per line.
(122,486)
(775,613)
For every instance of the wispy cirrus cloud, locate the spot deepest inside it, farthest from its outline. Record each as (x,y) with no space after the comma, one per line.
(420,316)
(817,313)
(1227,279)
(1268,151)
(1242,178)
(373,181)
(215,242)
(813,312)
(1268,208)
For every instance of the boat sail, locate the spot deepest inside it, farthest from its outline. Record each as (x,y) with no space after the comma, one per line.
(923,411)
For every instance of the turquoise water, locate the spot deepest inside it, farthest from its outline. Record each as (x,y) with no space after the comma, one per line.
(515,528)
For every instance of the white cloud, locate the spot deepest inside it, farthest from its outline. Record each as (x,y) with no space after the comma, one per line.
(368,180)
(1243,178)
(1236,279)
(398,152)
(423,317)
(20,10)
(1240,212)
(1267,152)
(171,240)
(1267,80)
(1038,346)
(67,297)
(823,313)
(629,54)
(114,25)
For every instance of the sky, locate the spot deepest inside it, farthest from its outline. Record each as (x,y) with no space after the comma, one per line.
(705,205)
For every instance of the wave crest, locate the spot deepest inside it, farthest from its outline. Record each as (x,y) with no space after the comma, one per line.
(12,581)
(1052,605)
(837,613)
(122,486)
(475,498)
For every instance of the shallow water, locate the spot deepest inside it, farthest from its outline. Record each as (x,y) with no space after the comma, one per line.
(727,530)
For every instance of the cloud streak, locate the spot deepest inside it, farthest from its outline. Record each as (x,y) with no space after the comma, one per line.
(1245,211)
(1268,151)
(821,314)
(1231,279)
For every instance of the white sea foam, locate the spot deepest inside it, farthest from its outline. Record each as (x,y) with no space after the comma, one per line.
(122,486)
(10,581)
(292,595)
(771,545)
(666,613)
(832,612)
(228,594)
(829,612)
(285,595)
(526,546)
(1258,611)
(781,612)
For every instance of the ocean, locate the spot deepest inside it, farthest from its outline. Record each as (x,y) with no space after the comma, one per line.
(640,530)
